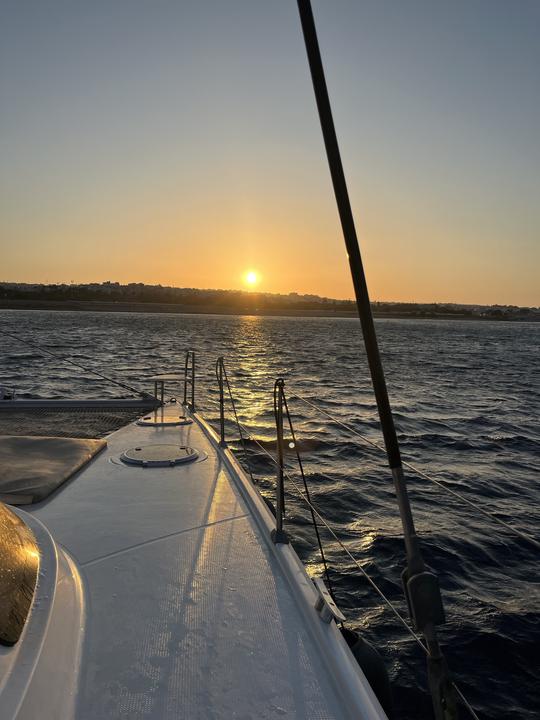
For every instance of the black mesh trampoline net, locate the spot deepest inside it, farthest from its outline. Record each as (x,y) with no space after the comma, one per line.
(66,422)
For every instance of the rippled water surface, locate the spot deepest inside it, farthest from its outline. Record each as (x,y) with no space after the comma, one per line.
(466,401)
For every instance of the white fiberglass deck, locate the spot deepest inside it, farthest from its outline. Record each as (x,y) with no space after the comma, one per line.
(188,611)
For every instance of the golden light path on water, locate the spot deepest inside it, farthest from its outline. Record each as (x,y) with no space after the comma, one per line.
(255,361)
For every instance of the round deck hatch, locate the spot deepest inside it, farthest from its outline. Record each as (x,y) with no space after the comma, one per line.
(158,420)
(159,455)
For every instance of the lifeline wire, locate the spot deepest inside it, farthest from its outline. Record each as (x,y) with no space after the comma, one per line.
(519,533)
(392,607)
(238,422)
(412,467)
(315,511)
(72,362)
(308,496)
(325,523)
(372,582)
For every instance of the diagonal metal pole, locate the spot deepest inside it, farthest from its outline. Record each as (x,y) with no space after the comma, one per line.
(421,587)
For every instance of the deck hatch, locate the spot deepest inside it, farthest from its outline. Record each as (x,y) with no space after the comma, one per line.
(158,419)
(159,455)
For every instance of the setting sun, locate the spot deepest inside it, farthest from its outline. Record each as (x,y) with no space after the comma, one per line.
(251,277)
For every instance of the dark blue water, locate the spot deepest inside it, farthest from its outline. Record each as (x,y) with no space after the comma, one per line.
(466,400)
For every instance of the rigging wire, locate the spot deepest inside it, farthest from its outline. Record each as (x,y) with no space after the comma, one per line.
(421,473)
(40,349)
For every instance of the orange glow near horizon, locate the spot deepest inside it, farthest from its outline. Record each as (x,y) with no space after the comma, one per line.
(177,148)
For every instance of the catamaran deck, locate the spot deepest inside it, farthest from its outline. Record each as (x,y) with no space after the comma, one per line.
(190,612)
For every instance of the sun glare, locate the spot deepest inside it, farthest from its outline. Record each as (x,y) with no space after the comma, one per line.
(251,278)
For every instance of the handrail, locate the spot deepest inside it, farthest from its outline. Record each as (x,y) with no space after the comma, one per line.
(220,367)
(281,398)
(189,379)
(278,534)
(223,379)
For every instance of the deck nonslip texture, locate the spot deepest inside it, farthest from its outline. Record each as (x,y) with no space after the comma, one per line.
(212,633)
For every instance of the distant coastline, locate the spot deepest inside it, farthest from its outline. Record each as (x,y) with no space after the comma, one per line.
(159,307)
(138,297)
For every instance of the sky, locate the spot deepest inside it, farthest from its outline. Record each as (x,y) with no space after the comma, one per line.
(174,142)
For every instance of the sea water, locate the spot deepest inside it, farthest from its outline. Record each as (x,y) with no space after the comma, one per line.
(466,402)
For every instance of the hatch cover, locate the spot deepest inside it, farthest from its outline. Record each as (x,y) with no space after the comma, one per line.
(158,420)
(159,455)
